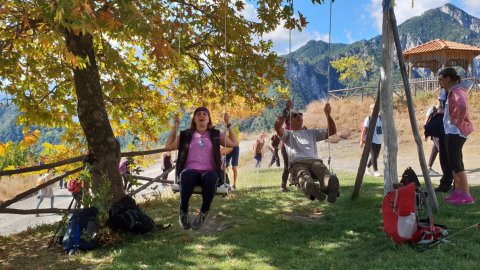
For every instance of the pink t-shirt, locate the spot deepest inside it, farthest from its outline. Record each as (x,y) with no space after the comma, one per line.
(200,154)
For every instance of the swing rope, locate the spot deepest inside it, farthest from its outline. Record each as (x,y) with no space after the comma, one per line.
(178,80)
(224,158)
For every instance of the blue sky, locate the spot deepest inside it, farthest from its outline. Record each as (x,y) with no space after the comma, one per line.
(353,20)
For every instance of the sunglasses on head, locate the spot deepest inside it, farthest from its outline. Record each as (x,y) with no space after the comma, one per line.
(294,115)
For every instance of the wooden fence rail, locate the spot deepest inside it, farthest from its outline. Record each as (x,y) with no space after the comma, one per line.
(416,85)
(73,160)
(18,197)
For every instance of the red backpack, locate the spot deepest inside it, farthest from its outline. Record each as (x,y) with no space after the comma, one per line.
(74,185)
(400,217)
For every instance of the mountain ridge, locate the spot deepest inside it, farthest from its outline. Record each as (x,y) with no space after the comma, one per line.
(446,22)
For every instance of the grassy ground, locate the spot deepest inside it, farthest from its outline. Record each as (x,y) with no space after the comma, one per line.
(259,227)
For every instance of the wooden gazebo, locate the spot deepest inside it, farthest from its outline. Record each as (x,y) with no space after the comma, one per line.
(439,53)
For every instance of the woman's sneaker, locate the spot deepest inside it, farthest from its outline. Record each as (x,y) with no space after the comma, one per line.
(461,199)
(453,196)
(199,220)
(183,220)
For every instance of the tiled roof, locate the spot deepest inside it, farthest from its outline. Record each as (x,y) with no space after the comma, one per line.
(438,45)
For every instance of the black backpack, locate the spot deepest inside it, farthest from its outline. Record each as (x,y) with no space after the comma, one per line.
(409,176)
(126,216)
(81,231)
(434,125)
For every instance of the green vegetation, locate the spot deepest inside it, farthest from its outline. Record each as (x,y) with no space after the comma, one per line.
(263,228)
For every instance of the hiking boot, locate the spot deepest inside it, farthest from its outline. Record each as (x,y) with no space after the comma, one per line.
(199,220)
(312,189)
(184,220)
(443,189)
(333,188)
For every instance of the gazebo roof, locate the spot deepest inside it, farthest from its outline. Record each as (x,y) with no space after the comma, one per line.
(440,44)
(440,53)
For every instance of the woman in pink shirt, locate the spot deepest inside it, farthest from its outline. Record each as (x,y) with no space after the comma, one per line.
(457,125)
(199,161)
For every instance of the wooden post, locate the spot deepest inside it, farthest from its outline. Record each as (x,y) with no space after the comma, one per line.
(367,146)
(386,95)
(411,112)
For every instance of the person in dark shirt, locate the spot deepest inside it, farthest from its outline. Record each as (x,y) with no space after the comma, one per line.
(274,144)
(167,163)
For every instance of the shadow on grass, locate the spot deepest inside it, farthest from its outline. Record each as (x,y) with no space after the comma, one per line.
(258,234)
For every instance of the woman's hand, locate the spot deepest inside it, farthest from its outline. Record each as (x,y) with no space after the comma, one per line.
(226,117)
(176,119)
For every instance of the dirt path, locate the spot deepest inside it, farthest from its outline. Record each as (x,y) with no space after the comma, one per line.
(345,156)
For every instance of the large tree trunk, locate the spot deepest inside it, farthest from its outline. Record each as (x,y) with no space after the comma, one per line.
(386,95)
(93,116)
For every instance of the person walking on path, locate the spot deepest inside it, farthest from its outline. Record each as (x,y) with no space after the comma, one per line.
(199,162)
(258,150)
(232,157)
(46,192)
(434,129)
(376,142)
(432,112)
(457,125)
(274,144)
(166,163)
(286,115)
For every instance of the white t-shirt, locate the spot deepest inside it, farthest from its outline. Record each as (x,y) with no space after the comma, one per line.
(377,135)
(302,144)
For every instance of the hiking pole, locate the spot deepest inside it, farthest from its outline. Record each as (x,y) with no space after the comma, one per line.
(60,226)
(443,239)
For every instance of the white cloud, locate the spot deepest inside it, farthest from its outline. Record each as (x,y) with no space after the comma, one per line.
(404,9)
(249,12)
(472,7)
(280,38)
(348,34)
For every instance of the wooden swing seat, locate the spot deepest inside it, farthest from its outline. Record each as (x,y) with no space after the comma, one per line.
(221,190)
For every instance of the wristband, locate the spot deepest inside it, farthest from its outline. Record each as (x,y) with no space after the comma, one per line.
(229,125)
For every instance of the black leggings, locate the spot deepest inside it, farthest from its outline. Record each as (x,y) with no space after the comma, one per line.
(374,151)
(191,178)
(454,145)
(447,177)
(285,166)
